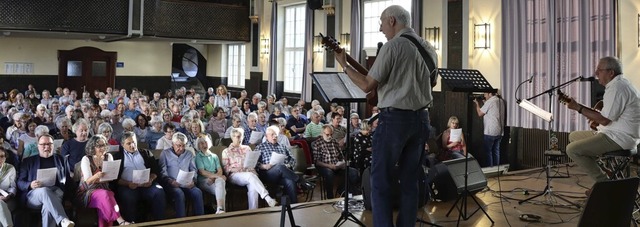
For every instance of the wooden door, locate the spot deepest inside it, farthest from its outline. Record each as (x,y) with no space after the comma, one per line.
(86,68)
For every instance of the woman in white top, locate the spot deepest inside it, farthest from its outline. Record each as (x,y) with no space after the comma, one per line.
(165,142)
(8,186)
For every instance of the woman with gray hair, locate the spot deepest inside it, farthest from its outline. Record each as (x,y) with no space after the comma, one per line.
(173,161)
(233,163)
(106,130)
(63,129)
(155,132)
(93,192)
(210,176)
(75,147)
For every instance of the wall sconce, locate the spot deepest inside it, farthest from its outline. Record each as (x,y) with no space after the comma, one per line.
(345,41)
(317,44)
(264,44)
(433,36)
(329,7)
(482,36)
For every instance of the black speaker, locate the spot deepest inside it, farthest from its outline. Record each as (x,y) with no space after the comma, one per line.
(314,4)
(476,180)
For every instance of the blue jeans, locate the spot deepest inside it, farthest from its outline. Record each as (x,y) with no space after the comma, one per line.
(400,138)
(328,175)
(129,198)
(281,175)
(178,195)
(492,150)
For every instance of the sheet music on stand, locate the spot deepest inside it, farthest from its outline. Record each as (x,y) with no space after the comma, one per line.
(465,80)
(336,87)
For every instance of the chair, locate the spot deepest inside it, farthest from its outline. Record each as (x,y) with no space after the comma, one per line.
(615,163)
(610,203)
(225,142)
(301,167)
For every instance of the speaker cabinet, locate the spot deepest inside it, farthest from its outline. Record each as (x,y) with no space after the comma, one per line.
(476,180)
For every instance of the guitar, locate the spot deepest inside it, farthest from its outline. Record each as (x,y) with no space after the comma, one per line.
(331,44)
(564,99)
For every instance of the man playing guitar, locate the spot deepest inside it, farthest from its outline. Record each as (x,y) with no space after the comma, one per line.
(619,120)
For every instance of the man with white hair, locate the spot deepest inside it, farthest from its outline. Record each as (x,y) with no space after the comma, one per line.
(278,173)
(402,80)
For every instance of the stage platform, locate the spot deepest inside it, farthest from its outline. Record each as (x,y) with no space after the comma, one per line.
(502,207)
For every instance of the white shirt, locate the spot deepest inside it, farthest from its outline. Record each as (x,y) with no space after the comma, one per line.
(493,110)
(164,143)
(621,106)
(85,166)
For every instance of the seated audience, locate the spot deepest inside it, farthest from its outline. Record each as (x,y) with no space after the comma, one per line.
(155,133)
(93,192)
(34,194)
(452,149)
(75,148)
(172,161)
(7,184)
(330,162)
(362,147)
(31,149)
(130,192)
(165,141)
(314,128)
(211,179)
(218,122)
(235,123)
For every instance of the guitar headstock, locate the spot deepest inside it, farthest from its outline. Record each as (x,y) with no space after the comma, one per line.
(330,44)
(563,98)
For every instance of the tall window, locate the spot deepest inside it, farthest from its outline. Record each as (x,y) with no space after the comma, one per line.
(371,27)
(236,65)
(293,47)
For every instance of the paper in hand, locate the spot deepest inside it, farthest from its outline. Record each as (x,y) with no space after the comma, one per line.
(185,177)
(256,137)
(141,176)
(277,158)
(110,170)
(251,159)
(47,177)
(455,135)
(57,143)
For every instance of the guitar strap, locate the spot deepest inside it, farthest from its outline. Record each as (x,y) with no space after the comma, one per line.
(433,74)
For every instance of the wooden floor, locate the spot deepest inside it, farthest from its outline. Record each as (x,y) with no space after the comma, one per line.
(505,212)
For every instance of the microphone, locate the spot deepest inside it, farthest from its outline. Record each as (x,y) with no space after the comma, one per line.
(587,79)
(531,78)
(379,46)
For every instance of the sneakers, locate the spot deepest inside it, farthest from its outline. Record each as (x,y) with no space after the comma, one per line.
(270,201)
(220,210)
(67,223)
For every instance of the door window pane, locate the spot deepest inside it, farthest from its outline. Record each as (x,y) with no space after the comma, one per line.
(74,68)
(99,68)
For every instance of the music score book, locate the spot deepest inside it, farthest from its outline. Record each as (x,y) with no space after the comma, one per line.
(337,87)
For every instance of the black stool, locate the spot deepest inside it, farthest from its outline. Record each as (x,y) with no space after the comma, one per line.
(615,164)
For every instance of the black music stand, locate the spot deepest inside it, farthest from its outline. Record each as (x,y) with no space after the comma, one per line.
(338,88)
(466,80)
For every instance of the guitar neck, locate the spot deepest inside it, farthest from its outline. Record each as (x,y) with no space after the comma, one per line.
(356,65)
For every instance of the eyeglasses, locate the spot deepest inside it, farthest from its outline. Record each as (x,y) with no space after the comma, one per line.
(101,145)
(46,144)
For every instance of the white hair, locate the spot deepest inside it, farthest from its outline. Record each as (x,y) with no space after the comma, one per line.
(400,14)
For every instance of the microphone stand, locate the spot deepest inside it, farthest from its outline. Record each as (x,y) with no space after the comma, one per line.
(547,189)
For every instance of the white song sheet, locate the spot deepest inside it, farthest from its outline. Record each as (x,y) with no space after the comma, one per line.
(185,177)
(256,137)
(455,135)
(47,177)
(251,159)
(277,158)
(110,170)
(141,176)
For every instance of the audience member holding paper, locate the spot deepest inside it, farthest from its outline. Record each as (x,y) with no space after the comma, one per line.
(137,181)
(8,190)
(281,174)
(172,162)
(210,176)
(453,143)
(93,192)
(36,196)
(242,173)
(330,162)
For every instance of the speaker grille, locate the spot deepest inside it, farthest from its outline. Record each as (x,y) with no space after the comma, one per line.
(476,180)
